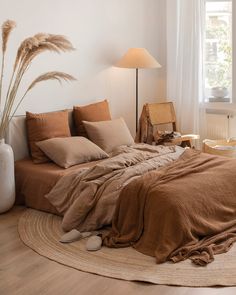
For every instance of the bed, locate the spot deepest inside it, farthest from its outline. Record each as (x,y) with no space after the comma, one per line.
(35,181)
(154,196)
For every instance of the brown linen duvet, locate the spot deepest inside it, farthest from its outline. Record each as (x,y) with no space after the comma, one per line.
(184,210)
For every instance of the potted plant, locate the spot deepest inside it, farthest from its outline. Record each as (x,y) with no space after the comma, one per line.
(28,50)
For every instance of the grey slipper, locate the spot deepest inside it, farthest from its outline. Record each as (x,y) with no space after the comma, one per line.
(94,243)
(71,236)
(75,235)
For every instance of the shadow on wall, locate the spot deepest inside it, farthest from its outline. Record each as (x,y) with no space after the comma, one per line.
(107,56)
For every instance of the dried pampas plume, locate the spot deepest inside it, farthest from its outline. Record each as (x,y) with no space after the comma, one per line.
(59,76)
(29,49)
(35,45)
(7,27)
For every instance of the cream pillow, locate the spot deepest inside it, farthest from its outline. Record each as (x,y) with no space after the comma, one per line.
(109,134)
(69,151)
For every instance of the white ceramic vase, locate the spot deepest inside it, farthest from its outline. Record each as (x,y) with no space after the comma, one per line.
(7,179)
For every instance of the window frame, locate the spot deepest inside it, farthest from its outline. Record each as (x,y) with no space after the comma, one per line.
(233,98)
(234,52)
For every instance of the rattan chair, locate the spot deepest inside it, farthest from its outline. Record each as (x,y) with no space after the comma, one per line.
(164,113)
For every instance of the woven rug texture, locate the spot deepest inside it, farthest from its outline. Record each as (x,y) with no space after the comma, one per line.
(41,232)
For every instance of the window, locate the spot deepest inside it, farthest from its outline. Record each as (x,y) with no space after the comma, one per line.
(219,50)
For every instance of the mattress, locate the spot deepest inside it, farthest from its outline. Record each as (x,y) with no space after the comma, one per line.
(34,181)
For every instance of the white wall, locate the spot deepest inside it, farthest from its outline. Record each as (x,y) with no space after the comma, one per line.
(102,31)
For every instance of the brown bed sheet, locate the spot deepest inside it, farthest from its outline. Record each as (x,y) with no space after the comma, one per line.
(34,181)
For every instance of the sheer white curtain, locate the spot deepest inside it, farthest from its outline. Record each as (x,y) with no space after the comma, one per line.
(185,32)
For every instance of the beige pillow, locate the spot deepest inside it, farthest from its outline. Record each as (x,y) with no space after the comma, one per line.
(109,134)
(66,152)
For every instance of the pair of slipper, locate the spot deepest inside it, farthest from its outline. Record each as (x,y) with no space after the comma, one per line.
(94,241)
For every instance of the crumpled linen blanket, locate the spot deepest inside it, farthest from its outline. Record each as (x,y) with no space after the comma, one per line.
(185,210)
(87,198)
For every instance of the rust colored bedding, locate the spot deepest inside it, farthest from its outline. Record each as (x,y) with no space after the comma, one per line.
(186,210)
(34,181)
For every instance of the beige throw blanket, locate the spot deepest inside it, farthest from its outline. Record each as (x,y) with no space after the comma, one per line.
(87,198)
(186,210)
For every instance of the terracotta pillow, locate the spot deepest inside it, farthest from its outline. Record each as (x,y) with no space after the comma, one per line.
(70,151)
(109,134)
(95,112)
(44,126)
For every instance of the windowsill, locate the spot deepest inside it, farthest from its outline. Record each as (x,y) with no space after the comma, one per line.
(220,105)
(224,108)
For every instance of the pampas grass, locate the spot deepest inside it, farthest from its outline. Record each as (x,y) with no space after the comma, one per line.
(28,50)
(7,27)
(58,76)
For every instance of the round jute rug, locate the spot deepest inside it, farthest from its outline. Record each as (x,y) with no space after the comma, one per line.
(41,232)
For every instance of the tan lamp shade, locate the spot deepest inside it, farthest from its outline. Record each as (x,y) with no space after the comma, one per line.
(138,58)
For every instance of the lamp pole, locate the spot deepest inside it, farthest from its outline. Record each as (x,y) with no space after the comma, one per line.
(136,99)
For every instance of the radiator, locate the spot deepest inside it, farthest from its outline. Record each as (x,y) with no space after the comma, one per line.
(221,124)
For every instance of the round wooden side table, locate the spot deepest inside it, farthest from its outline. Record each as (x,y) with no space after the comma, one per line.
(223,147)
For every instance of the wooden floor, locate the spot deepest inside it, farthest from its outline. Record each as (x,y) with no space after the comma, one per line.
(22,271)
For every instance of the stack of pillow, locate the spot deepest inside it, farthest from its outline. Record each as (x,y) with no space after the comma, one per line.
(50,139)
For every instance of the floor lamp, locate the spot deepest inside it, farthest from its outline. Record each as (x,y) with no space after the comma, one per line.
(138,58)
